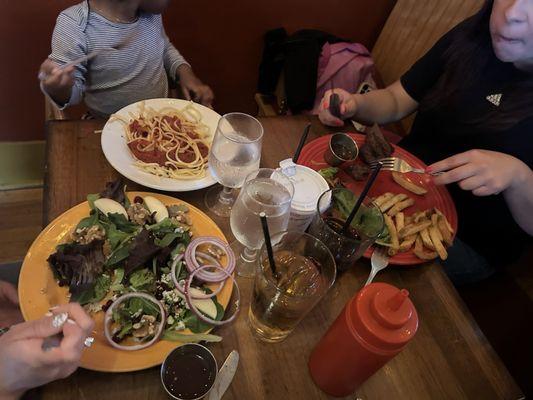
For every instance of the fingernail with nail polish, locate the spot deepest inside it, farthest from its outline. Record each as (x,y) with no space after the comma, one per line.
(59,320)
(48,314)
(53,308)
(71,321)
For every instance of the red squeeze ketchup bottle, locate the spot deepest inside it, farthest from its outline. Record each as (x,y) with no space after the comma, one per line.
(375,325)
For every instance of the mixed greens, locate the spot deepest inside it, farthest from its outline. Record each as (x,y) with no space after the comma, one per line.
(125,248)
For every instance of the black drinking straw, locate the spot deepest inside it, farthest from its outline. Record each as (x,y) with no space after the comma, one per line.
(268,243)
(301,144)
(362,196)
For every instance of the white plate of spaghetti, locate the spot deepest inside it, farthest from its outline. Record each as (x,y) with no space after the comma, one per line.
(162,143)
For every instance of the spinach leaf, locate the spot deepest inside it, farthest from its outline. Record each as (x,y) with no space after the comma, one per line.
(167,239)
(126,328)
(328,173)
(146,307)
(122,223)
(115,236)
(89,221)
(120,254)
(101,287)
(91,198)
(116,285)
(163,227)
(142,279)
(174,336)
(84,297)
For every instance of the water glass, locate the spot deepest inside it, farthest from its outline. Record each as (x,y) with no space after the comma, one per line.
(235,153)
(266,191)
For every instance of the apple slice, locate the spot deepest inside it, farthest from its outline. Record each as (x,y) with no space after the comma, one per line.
(155,206)
(108,206)
(207,306)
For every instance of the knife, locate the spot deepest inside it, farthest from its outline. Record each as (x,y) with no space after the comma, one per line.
(225,376)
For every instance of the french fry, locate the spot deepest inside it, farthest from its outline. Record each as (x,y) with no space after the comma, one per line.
(400,206)
(408,220)
(421,253)
(418,216)
(426,240)
(400,221)
(383,198)
(395,243)
(407,184)
(386,206)
(433,234)
(407,243)
(448,226)
(434,219)
(414,228)
(443,230)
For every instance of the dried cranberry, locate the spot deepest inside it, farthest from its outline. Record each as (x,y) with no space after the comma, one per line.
(138,200)
(106,306)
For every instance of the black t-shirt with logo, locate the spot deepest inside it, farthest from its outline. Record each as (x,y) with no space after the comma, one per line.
(485,223)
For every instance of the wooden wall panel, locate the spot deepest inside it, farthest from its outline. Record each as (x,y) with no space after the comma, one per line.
(411,29)
(222,39)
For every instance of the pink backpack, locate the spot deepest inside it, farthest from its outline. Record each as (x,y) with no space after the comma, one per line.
(342,65)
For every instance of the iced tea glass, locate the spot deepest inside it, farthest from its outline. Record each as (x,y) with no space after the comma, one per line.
(305,270)
(333,208)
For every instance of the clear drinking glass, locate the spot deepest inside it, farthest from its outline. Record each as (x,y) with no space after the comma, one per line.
(333,208)
(235,152)
(265,190)
(305,270)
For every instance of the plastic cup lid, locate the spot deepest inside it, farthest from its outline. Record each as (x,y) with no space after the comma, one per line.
(308,186)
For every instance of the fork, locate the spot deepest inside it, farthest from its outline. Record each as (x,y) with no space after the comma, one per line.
(379,261)
(398,165)
(80,282)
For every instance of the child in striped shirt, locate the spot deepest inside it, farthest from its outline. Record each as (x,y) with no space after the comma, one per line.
(136,65)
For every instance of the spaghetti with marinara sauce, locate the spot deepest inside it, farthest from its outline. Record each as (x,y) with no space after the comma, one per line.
(170,143)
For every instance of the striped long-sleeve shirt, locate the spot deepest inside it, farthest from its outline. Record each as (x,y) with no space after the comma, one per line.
(137,71)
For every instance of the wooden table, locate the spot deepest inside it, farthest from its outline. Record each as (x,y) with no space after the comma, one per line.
(448,359)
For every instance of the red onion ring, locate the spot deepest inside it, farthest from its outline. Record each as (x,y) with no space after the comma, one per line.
(109,317)
(181,289)
(205,275)
(195,310)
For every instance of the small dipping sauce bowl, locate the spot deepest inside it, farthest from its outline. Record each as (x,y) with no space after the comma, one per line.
(342,148)
(189,372)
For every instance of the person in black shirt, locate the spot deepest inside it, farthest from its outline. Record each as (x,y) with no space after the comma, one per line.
(474,95)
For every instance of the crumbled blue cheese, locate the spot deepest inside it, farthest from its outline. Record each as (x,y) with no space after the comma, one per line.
(180,326)
(166,278)
(171,296)
(93,308)
(170,320)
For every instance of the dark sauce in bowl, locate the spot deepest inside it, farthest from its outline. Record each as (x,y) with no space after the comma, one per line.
(189,372)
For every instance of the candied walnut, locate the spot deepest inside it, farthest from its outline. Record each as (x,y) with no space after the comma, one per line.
(138,214)
(87,235)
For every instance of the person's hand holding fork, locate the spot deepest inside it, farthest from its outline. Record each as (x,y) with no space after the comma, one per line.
(57,81)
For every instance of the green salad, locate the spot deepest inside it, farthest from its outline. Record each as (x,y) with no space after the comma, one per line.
(119,260)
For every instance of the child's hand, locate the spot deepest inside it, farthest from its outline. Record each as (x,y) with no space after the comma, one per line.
(57,81)
(193,88)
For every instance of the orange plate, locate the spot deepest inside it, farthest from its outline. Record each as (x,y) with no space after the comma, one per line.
(312,156)
(38,290)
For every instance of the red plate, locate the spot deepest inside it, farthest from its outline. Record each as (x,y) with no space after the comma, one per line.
(312,156)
